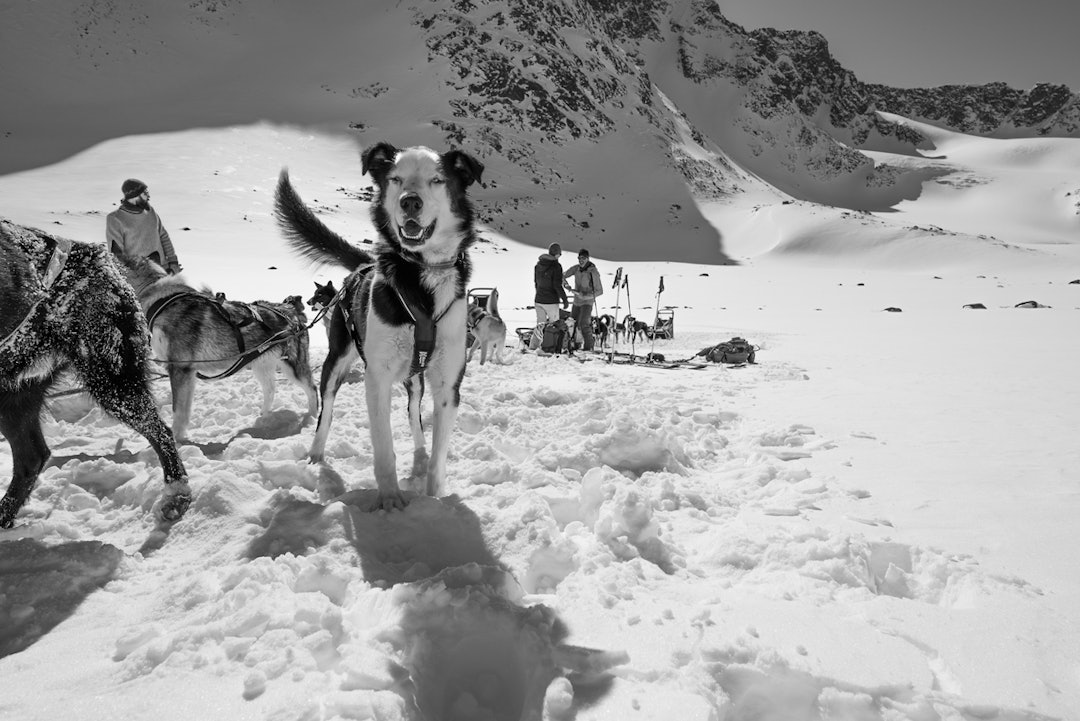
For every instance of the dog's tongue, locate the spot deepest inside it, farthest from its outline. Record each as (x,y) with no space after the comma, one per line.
(413,228)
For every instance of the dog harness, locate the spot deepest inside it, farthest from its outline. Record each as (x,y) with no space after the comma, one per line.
(57,261)
(424,327)
(235,321)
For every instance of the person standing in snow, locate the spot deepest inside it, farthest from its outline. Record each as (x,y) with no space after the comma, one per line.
(135,229)
(587,286)
(548,280)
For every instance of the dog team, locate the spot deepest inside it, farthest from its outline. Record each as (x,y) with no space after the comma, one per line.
(102,314)
(71,308)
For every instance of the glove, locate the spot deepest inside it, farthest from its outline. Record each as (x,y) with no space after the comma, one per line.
(174,268)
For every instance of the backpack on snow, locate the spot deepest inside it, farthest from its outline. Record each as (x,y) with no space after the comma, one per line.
(554,337)
(736,350)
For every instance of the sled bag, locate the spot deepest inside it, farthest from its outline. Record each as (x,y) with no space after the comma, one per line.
(554,338)
(736,350)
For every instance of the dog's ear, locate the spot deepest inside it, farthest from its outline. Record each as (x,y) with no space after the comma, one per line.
(377,159)
(330,286)
(465,167)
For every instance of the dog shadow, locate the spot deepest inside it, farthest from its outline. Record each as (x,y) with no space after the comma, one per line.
(427,537)
(469,647)
(281,423)
(43,585)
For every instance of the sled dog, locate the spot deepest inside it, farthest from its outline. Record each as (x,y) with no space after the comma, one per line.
(66,307)
(603,328)
(321,299)
(406,310)
(634,328)
(488,330)
(195,333)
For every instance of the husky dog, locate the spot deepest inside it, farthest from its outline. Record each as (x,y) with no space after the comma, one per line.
(634,328)
(603,328)
(407,313)
(488,329)
(195,333)
(67,307)
(321,298)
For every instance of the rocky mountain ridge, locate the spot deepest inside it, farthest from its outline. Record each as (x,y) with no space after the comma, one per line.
(597,119)
(775,104)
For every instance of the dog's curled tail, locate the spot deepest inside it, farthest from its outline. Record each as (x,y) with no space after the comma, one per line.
(493,303)
(307,236)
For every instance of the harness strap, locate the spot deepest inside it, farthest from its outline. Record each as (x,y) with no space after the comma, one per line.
(244,356)
(57,260)
(161,304)
(424,327)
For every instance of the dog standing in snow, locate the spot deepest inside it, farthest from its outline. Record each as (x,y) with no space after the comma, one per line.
(408,311)
(66,307)
(488,330)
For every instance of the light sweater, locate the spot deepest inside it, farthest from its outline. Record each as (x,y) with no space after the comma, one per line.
(137,231)
(587,283)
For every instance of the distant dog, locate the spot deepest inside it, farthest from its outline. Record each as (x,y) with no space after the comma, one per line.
(407,313)
(67,307)
(634,328)
(322,297)
(488,330)
(194,333)
(603,328)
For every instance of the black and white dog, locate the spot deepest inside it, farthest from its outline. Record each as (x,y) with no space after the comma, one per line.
(603,329)
(324,294)
(635,329)
(66,306)
(407,313)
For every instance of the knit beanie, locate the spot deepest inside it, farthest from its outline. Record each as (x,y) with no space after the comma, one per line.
(132,187)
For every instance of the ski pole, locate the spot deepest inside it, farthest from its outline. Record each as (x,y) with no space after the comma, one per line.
(656,318)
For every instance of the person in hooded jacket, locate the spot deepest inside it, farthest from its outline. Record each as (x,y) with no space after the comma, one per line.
(135,229)
(548,281)
(587,287)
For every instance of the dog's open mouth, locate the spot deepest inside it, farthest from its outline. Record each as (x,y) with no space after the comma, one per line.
(412,233)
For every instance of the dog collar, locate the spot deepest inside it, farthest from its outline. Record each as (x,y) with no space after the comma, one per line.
(417,259)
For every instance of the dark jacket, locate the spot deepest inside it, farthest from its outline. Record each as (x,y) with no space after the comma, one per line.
(547,277)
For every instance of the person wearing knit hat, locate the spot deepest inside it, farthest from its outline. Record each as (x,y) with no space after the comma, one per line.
(587,287)
(135,228)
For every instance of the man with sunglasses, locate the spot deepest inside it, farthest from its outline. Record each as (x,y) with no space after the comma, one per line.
(135,228)
(587,287)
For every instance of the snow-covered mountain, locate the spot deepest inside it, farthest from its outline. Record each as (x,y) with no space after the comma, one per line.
(578,108)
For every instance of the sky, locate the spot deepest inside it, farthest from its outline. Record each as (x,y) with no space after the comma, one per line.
(925,43)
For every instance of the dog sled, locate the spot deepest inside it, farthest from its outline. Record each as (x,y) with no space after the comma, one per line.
(664,326)
(646,360)
(478,297)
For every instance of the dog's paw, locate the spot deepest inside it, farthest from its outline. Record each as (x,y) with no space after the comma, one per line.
(392,501)
(175,501)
